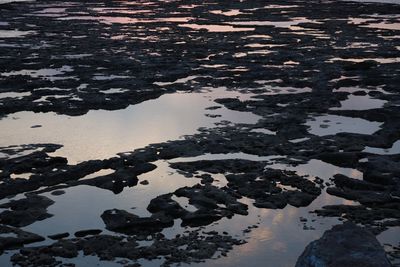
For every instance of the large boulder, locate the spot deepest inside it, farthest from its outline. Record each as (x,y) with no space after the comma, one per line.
(346,245)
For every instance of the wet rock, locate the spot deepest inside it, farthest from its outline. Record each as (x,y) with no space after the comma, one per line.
(213,108)
(25,211)
(299,199)
(314,72)
(144,182)
(342,159)
(83,233)
(344,181)
(209,197)
(125,222)
(255,182)
(58,236)
(11,237)
(165,204)
(376,217)
(231,103)
(205,178)
(189,247)
(344,245)
(58,192)
(46,256)
(362,196)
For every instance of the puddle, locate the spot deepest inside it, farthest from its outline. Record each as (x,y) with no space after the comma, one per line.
(179,81)
(72,56)
(49,74)
(352,90)
(229,13)
(6,235)
(240,155)
(276,90)
(318,168)
(102,172)
(264,131)
(98,77)
(385,26)
(21,176)
(120,10)
(280,24)
(333,124)
(14,95)
(87,260)
(86,215)
(358,60)
(10,1)
(184,203)
(101,134)
(395,149)
(299,140)
(366,102)
(376,1)
(115,91)
(272,240)
(14,33)
(216,28)
(127,20)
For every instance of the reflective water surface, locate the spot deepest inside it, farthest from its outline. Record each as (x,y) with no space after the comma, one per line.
(246,78)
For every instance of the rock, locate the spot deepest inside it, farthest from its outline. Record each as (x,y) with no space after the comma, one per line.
(299,199)
(16,237)
(346,245)
(271,202)
(46,255)
(165,204)
(125,222)
(58,192)
(302,219)
(25,211)
(192,246)
(200,218)
(58,236)
(342,159)
(144,182)
(344,181)
(83,233)
(362,196)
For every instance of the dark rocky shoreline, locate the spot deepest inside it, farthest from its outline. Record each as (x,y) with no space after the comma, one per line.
(295,74)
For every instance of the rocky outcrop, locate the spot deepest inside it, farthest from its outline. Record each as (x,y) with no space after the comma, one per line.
(344,246)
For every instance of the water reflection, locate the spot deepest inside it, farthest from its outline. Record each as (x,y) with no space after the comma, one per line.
(333,124)
(216,28)
(14,33)
(395,149)
(360,103)
(101,134)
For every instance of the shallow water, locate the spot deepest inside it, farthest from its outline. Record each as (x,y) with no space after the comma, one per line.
(169,117)
(360,103)
(277,59)
(333,124)
(395,149)
(14,33)
(271,241)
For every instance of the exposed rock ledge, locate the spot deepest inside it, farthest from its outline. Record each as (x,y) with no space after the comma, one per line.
(344,246)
